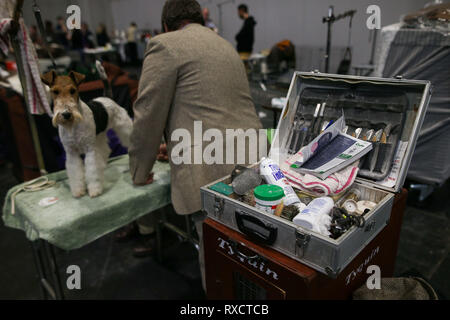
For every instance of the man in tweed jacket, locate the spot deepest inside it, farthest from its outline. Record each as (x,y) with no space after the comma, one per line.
(189,74)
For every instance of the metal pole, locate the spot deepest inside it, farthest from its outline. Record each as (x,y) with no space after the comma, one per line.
(21,72)
(39,268)
(37,15)
(329,20)
(59,293)
(327,53)
(374,43)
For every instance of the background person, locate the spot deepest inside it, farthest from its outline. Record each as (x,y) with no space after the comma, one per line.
(102,35)
(131,46)
(208,22)
(87,36)
(62,33)
(246,36)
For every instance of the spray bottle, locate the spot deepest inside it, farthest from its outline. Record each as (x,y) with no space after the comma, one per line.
(271,172)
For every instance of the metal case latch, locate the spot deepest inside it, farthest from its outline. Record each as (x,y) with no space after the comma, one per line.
(218,206)
(301,240)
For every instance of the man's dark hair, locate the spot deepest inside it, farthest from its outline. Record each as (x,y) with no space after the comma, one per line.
(243,7)
(177,12)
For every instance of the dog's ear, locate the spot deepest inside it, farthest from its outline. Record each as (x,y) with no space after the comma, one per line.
(49,78)
(76,77)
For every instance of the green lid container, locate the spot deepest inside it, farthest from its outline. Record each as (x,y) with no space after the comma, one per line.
(269,192)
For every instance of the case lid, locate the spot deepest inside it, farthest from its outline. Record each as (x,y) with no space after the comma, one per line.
(400,101)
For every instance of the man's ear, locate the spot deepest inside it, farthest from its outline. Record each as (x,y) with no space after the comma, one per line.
(77,77)
(49,78)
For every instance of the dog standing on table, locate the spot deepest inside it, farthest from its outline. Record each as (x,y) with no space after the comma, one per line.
(82,129)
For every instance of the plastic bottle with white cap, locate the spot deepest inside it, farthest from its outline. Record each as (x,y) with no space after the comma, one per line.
(316,215)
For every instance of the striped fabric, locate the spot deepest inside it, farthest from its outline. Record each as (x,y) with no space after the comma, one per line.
(37,101)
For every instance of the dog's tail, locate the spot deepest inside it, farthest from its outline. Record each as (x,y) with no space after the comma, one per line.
(107,85)
(118,120)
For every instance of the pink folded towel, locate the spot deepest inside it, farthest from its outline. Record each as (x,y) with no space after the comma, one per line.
(36,96)
(335,184)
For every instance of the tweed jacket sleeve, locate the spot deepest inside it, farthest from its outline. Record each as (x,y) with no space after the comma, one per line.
(156,90)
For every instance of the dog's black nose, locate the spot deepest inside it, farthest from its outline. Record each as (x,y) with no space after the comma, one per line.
(66,115)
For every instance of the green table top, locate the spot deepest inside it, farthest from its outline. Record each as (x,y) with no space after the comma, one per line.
(72,223)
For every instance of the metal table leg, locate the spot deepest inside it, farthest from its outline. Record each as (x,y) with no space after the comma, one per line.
(54,270)
(39,265)
(185,235)
(45,263)
(159,240)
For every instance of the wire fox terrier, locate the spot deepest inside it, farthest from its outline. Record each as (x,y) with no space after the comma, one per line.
(82,129)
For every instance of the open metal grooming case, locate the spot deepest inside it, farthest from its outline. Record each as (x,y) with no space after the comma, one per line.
(395,105)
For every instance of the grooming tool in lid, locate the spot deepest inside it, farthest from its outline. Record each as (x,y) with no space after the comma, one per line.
(357,133)
(310,134)
(291,139)
(298,135)
(368,135)
(301,139)
(376,138)
(320,119)
(386,133)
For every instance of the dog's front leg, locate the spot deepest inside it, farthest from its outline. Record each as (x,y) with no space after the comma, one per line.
(94,173)
(75,173)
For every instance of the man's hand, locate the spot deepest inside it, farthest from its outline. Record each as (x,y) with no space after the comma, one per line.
(162,153)
(148,181)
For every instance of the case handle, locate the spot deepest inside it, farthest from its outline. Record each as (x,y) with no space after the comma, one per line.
(255,228)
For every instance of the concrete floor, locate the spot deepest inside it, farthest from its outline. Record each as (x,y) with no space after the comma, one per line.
(109,271)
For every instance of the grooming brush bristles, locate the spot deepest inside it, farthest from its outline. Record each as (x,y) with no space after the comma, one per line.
(249,198)
(289,212)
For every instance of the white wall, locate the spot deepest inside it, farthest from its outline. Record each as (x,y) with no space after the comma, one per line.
(301,21)
(93,12)
(146,13)
(297,20)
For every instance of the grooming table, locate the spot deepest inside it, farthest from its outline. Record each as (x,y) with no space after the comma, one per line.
(72,223)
